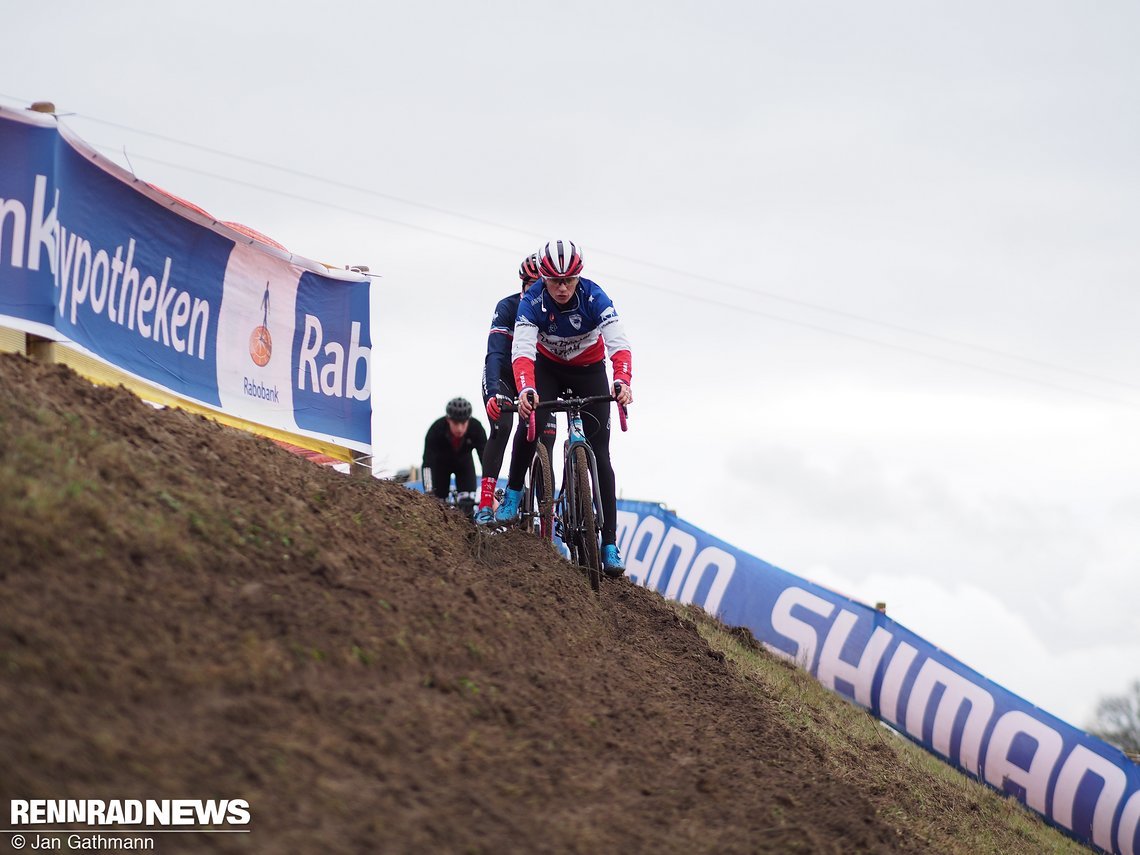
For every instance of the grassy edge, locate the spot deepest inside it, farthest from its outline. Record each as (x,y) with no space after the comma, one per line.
(925,799)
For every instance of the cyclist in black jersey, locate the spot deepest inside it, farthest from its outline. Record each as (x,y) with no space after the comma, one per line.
(448,448)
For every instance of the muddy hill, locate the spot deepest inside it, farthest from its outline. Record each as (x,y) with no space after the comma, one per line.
(188,611)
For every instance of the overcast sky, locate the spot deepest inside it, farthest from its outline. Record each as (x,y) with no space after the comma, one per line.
(878,261)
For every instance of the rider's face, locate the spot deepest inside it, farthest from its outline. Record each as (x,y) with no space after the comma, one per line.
(457,428)
(562,289)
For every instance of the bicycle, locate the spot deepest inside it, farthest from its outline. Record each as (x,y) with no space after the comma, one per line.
(579,500)
(462,501)
(536,514)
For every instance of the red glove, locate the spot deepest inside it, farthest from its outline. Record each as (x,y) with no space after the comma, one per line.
(493,409)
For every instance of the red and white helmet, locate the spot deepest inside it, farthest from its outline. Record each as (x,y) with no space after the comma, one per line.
(559,259)
(528,270)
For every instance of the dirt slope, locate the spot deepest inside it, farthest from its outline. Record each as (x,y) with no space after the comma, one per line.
(190,612)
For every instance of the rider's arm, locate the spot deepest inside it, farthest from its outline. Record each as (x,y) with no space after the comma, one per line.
(622,361)
(431,444)
(478,437)
(525,347)
(499,342)
(617,343)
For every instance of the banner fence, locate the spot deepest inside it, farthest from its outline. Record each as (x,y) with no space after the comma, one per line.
(1077,782)
(127,275)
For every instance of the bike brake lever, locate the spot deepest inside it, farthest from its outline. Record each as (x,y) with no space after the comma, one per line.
(623,415)
(531,428)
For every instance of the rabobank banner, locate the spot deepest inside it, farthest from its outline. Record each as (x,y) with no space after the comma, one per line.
(28,201)
(1076,781)
(94,257)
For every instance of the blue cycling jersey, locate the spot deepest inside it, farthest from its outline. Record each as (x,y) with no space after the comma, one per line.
(498,378)
(580,333)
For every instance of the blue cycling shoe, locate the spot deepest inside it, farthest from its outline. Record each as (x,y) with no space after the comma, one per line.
(612,565)
(508,511)
(485,516)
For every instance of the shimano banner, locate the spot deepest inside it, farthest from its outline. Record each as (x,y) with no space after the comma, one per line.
(1076,781)
(94,257)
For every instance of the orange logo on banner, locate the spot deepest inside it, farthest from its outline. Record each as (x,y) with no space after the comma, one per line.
(260,341)
(260,346)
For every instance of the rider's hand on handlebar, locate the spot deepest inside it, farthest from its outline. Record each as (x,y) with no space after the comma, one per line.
(528,399)
(493,408)
(623,393)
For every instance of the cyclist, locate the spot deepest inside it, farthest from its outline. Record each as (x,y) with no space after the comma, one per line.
(498,379)
(447,451)
(566,326)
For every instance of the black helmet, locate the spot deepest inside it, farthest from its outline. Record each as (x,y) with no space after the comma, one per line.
(459,409)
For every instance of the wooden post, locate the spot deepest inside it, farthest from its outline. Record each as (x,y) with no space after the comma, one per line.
(40,349)
(360,466)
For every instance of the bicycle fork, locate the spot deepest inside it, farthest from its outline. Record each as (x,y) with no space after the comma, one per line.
(569,484)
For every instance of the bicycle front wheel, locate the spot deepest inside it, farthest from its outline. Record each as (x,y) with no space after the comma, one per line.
(586,531)
(540,495)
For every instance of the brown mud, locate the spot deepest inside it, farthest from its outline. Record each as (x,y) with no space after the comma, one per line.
(188,611)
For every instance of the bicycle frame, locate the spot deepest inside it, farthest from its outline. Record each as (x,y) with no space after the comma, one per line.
(577,438)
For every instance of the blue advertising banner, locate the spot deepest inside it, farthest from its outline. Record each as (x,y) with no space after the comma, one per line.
(331,352)
(1075,781)
(28,200)
(94,257)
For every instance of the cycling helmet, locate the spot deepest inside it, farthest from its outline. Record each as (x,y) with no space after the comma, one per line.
(528,270)
(559,259)
(459,409)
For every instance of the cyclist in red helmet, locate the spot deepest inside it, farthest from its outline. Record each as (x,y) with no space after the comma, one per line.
(498,379)
(565,328)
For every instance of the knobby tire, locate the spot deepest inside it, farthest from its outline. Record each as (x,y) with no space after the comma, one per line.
(586,532)
(540,494)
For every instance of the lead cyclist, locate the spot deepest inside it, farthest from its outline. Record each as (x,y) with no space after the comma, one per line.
(566,326)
